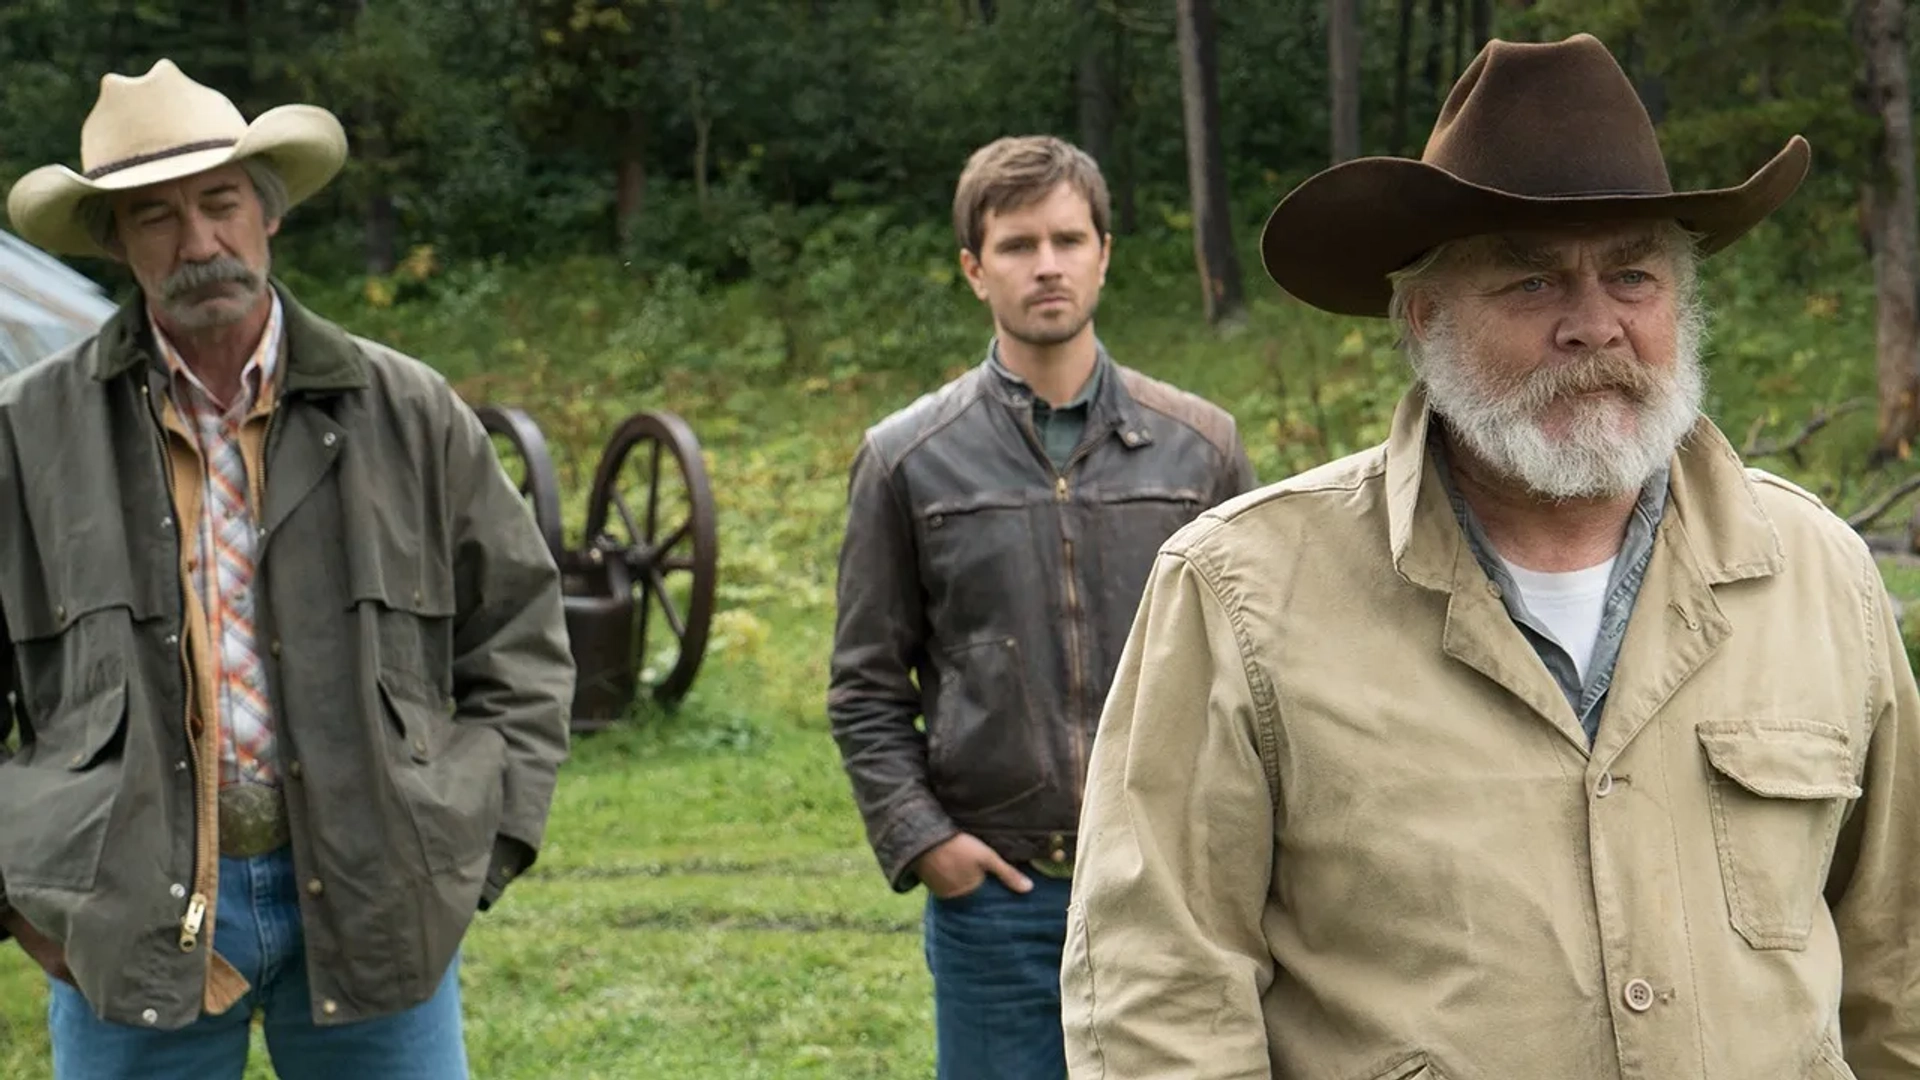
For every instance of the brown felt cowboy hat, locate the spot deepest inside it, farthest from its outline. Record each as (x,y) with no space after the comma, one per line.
(1532,136)
(162,126)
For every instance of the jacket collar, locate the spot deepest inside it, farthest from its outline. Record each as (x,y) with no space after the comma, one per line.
(1711,500)
(1112,407)
(320,356)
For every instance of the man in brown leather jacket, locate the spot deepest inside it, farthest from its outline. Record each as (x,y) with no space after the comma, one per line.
(999,533)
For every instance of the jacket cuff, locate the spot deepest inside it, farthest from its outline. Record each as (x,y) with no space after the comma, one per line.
(912,830)
(510,858)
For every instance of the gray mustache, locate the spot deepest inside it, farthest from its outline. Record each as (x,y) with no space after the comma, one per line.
(214,271)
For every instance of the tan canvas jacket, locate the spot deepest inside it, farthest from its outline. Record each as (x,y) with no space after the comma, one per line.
(1341,823)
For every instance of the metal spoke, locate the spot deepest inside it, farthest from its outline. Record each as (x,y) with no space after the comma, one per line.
(653,496)
(626,516)
(673,538)
(659,590)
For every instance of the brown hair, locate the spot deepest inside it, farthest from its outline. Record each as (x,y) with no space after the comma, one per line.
(1015,170)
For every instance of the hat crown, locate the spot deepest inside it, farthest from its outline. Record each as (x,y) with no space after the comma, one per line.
(1548,119)
(163,112)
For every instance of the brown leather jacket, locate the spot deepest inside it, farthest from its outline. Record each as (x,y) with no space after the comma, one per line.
(991,593)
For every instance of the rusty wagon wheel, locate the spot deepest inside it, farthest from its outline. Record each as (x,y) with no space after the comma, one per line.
(529,465)
(651,507)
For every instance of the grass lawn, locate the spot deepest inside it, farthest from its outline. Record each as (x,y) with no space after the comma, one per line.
(706,905)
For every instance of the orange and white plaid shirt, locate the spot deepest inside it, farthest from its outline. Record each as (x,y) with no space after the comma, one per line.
(223,567)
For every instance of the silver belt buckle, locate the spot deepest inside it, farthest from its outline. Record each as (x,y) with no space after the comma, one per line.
(253,820)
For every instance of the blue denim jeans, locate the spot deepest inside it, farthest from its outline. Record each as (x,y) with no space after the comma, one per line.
(995,959)
(257,929)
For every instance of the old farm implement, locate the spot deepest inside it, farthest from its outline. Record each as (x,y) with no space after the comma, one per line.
(639,586)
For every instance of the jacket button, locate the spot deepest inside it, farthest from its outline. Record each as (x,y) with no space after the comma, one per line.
(60,613)
(420,746)
(329,1007)
(314,887)
(1639,995)
(178,892)
(294,770)
(329,439)
(150,1016)
(172,640)
(166,524)
(274,648)
(76,759)
(1603,787)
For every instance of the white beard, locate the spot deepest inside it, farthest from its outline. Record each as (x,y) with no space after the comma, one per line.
(1598,455)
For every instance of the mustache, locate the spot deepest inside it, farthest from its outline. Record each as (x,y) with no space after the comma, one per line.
(218,270)
(1591,373)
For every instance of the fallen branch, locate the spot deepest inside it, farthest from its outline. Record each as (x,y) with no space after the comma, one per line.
(1755,448)
(1881,505)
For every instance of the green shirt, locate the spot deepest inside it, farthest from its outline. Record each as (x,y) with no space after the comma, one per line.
(1059,428)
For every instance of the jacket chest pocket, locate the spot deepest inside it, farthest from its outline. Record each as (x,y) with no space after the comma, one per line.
(978,553)
(1778,791)
(1133,523)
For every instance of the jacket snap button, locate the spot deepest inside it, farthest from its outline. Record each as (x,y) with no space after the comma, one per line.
(60,614)
(1604,786)
(294,769)
(329,438)
(420,747)
(150,1016)
(329,1007)
(1639,995)
(178,892)
(314,887)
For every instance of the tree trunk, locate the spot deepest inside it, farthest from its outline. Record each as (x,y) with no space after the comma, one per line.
(1888,203)
(630,182)
(1436,41)
(1459,37)
(1402,59)
(1094,85)
(1206,174)
(1482,24)
(1123,187)
(1343,77)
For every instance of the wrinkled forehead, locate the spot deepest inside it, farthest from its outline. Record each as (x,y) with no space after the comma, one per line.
(1607,246)
(225,180)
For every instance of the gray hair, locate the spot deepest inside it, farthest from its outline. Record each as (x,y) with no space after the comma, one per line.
(1421,274)
(96,211)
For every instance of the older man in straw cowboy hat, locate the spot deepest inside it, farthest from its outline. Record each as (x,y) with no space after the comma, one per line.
(287,659)
(1544,740)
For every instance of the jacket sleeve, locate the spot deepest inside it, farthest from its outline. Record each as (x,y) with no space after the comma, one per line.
(879,643)
(512,667)
(1876,871)
(7,729)
(1165,962)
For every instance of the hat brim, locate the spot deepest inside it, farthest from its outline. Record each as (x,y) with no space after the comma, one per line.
(1333,240)
(305,144)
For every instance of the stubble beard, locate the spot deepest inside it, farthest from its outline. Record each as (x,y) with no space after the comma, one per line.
(1595,454)
(1036,332)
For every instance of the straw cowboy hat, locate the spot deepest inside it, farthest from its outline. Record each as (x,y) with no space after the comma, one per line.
(1532,136)
(162,126)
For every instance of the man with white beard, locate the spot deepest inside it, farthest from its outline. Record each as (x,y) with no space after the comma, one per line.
(1544,739)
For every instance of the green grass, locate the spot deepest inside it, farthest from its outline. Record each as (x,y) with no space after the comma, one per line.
(706,905)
